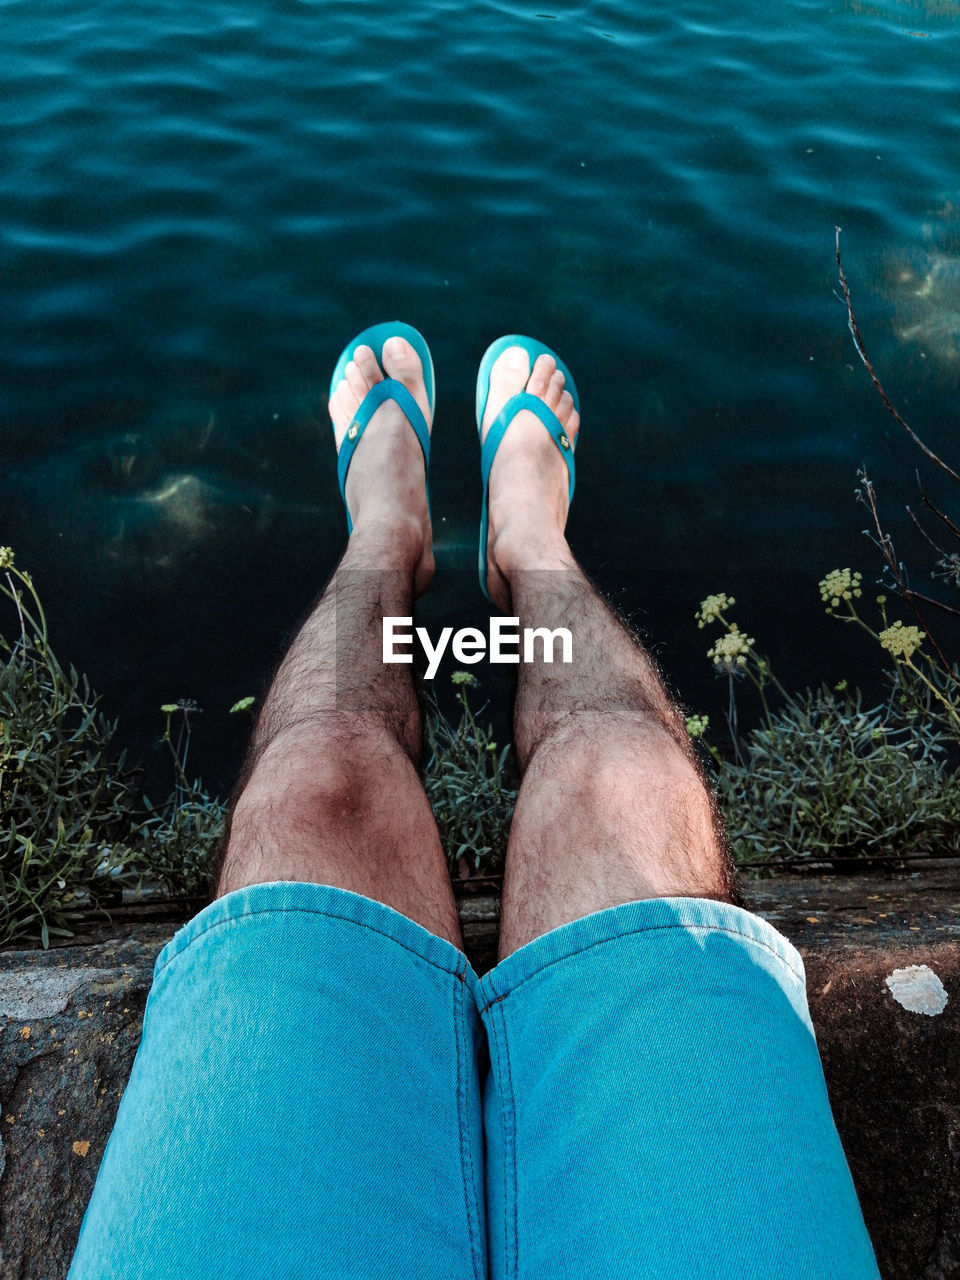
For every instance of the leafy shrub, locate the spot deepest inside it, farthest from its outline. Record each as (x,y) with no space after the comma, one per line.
(932,696)
(824,779)
(465,781)
(177,842)
(176,846)
(65,801)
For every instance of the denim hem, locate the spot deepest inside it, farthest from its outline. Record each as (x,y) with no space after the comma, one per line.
(644,916)
(284,897)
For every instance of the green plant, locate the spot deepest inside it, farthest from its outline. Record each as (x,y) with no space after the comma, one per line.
(466,785)
(65,801)
(178,842)
(734,656)
(925,682)
(914,698)
(824,779)
(821,778)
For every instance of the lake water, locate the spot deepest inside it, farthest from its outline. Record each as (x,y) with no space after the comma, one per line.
(202,204)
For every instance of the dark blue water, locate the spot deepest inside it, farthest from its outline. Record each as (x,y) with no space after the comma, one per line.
(202,203)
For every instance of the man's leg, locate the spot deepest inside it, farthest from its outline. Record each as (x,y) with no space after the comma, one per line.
(655,1104)
(606,761)
(332,793)
(306,1098)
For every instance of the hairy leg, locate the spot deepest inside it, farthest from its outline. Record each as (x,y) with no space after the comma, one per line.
(673,1035)
(330,793)
(613,806)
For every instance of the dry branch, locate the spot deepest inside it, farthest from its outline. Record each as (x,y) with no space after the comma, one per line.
(861,351)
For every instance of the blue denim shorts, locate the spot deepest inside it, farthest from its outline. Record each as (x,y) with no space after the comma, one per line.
(325,1089)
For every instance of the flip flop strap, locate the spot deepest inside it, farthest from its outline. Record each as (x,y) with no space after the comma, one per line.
(387,389)
(524,400)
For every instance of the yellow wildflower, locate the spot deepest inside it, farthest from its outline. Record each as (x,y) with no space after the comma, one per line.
(696,725)
(711,609)
(840,584)
(731,650)
(902,641)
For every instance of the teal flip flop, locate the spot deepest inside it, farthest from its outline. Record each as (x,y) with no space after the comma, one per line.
(523,400)
(388,389)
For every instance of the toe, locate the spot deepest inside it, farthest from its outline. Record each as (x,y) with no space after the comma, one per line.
(366,363)
(401,362)
(508,377)
(540,375)
(554,390)
(342,402)
(343,405)
(356,380)
(358,377)
(568,415)
(511,370)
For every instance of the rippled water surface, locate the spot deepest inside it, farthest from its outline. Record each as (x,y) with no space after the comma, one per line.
(202,203)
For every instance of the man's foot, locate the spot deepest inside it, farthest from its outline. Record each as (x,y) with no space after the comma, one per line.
(528,486)
(386,484)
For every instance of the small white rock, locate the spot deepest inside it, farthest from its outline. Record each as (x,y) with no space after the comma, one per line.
(918,989)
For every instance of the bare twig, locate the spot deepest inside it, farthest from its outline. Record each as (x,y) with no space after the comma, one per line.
(861,351)
(883,540)
(922,531)
(938,604)
(897,570)
(954,529)
(945,557)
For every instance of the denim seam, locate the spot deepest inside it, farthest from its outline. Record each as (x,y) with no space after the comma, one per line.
(309,911)
(496,1069)
(511,1261)
(468,1172)
(653,928)
(479,1214)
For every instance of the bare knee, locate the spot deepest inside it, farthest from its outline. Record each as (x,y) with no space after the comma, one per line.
(678,836)
(638,797)
(309,798)
(322,779)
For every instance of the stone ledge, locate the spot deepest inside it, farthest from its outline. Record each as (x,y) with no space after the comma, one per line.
(70,1022)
